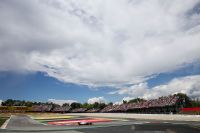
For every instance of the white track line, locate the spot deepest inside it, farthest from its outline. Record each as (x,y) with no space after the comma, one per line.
(6,123)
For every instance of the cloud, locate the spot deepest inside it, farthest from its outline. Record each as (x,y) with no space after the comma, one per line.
(99,42)
(118,103)
(1,102)
(137,89)
(189,85)
(127,99)
(61,102)
(97,99)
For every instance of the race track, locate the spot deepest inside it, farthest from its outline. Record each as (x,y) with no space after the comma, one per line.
(24,123)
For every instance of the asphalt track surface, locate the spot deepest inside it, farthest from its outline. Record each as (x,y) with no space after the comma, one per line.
(25,124)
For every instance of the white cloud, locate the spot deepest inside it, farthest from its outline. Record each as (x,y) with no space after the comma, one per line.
(189,85)
(118,103)
(61,102)
(124,99)
(127,99)
(97,99)
(98,42)
(1,102)
(137,89)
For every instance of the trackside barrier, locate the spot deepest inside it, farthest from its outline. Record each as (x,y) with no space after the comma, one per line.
(195,110)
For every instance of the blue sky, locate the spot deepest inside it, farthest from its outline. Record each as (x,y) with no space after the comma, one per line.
(163,78)
(40,87)
(99,50)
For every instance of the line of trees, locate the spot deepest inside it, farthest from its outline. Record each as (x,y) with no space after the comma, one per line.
(11,102)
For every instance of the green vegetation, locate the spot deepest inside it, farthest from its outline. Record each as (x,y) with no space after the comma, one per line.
(11,102)
(88,106)
(188,102)
(75,105)
(136,100)
(195,103)
(2,120)
(96,105)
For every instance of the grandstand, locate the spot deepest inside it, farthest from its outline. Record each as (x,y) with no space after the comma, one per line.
(93,110)
(41,108)
(161,105)
(65,109)
(164,105)
(79,110)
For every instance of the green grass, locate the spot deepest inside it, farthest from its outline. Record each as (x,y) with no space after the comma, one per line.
(2,120)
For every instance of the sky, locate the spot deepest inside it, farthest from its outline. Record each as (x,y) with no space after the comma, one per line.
(99,51)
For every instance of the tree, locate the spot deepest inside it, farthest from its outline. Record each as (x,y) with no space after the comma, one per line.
(65,104)
(102,105)
(136,100)
(96,105)
(124,101)
(29,104)
(9,102)
(110,103)
(75,105)
(195,103)
(86,105)
(185,101)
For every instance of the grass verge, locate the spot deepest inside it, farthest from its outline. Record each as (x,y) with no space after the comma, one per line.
(2,120)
